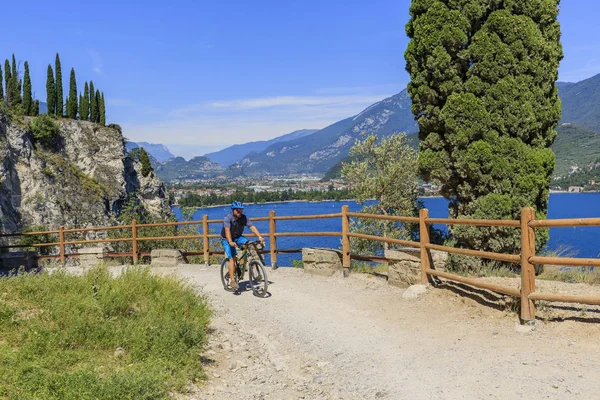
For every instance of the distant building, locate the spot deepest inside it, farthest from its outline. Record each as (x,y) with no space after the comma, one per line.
(573,168)
(575,189)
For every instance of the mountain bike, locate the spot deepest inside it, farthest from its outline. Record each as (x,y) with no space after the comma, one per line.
(251,258)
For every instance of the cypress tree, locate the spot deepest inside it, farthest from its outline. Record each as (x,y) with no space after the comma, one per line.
(102,111)
(483,90)
(145,161)
(84,104)
(72,102)
(27,98)
(97,106)
(50,91)
(15,85)
(36,108)
(92,102)
(1,86)
(8,81)
(59,87)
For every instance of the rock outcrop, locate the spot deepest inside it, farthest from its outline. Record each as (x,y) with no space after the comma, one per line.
(84,181)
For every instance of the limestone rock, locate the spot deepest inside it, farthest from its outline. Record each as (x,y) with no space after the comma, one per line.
(324,262)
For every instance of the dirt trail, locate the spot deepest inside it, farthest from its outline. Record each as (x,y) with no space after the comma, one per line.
(357,338)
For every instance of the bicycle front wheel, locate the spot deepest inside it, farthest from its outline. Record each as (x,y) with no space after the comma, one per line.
(225,275)
(258,278)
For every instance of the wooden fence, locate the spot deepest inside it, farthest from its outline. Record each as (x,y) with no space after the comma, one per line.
(527,257)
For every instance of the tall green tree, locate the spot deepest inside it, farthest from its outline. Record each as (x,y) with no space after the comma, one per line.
(97,104)
(16,83)
(483,76)
(92,102)
(7,81)
(59,87)
(1,85)
(102,111)
(391,181)
(145,161)
(72,103)
(36,108)
(27,97)
(84,104)
(50,91)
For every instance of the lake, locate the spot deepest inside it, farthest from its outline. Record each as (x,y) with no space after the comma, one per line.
(580,242)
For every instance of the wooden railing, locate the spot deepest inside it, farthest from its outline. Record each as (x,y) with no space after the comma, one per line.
(527,257)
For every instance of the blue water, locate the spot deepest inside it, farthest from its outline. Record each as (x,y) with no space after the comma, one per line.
(581,242)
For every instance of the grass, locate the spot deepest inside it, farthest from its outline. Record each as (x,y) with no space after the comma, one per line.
(136,336)
(362,267)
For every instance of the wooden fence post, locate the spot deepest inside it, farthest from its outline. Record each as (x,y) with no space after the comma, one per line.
(273,239)
(424,240)
(61,240)
(345,241)
(527,269)
(205,238)
(134,243)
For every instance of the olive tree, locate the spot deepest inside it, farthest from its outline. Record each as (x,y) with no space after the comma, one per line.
(385,171)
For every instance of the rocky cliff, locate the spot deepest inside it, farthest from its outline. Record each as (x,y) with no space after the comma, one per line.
(83,181)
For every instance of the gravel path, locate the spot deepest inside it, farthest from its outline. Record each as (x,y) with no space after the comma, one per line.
(357,338)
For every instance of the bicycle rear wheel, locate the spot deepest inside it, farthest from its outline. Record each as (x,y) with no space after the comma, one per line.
(257,275)
(225,275)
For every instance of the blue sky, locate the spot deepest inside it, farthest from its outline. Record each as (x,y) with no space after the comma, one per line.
(201,75)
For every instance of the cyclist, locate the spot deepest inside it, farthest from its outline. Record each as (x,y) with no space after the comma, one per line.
(231,236)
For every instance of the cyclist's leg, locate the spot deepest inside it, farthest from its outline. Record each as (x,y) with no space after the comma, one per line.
(241,241)
(230,253)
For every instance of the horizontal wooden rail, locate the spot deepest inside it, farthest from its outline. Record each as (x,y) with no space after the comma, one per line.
(169,224)
(369,258)
(387,240)
(41,233)
(582,262)
(564,298)
(98,241)
(102,228)
(474,222)
(11,234)
(475,282)
(410,220)
(279,234)
(476,253)
(558,223)
(140,239)
(296,217)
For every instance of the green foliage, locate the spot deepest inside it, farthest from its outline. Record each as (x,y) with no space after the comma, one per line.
(483,89)
(1,87)
(72,101)
(59,87)
(27,97)
(29,240)
(574,146)
(92,102)
(50,91)
(116,127)
(15,85)
(45,131)
(145,161)
(36,108)
(102,111)
(383,171)
(136,336)
(84,104)
(7,81)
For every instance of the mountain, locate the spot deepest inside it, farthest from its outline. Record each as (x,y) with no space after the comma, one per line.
(158,151)
(574,145)
(235,153)
(322,149)
(197,168)
(581,102)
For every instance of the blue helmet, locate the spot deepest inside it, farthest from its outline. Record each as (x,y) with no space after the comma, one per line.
(237,204)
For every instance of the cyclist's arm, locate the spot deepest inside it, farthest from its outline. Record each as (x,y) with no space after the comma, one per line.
(228,237)
(255,231)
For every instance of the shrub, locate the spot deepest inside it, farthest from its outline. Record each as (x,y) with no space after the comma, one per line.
(45,131)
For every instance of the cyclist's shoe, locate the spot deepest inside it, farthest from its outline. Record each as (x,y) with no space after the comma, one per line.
(234,285)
